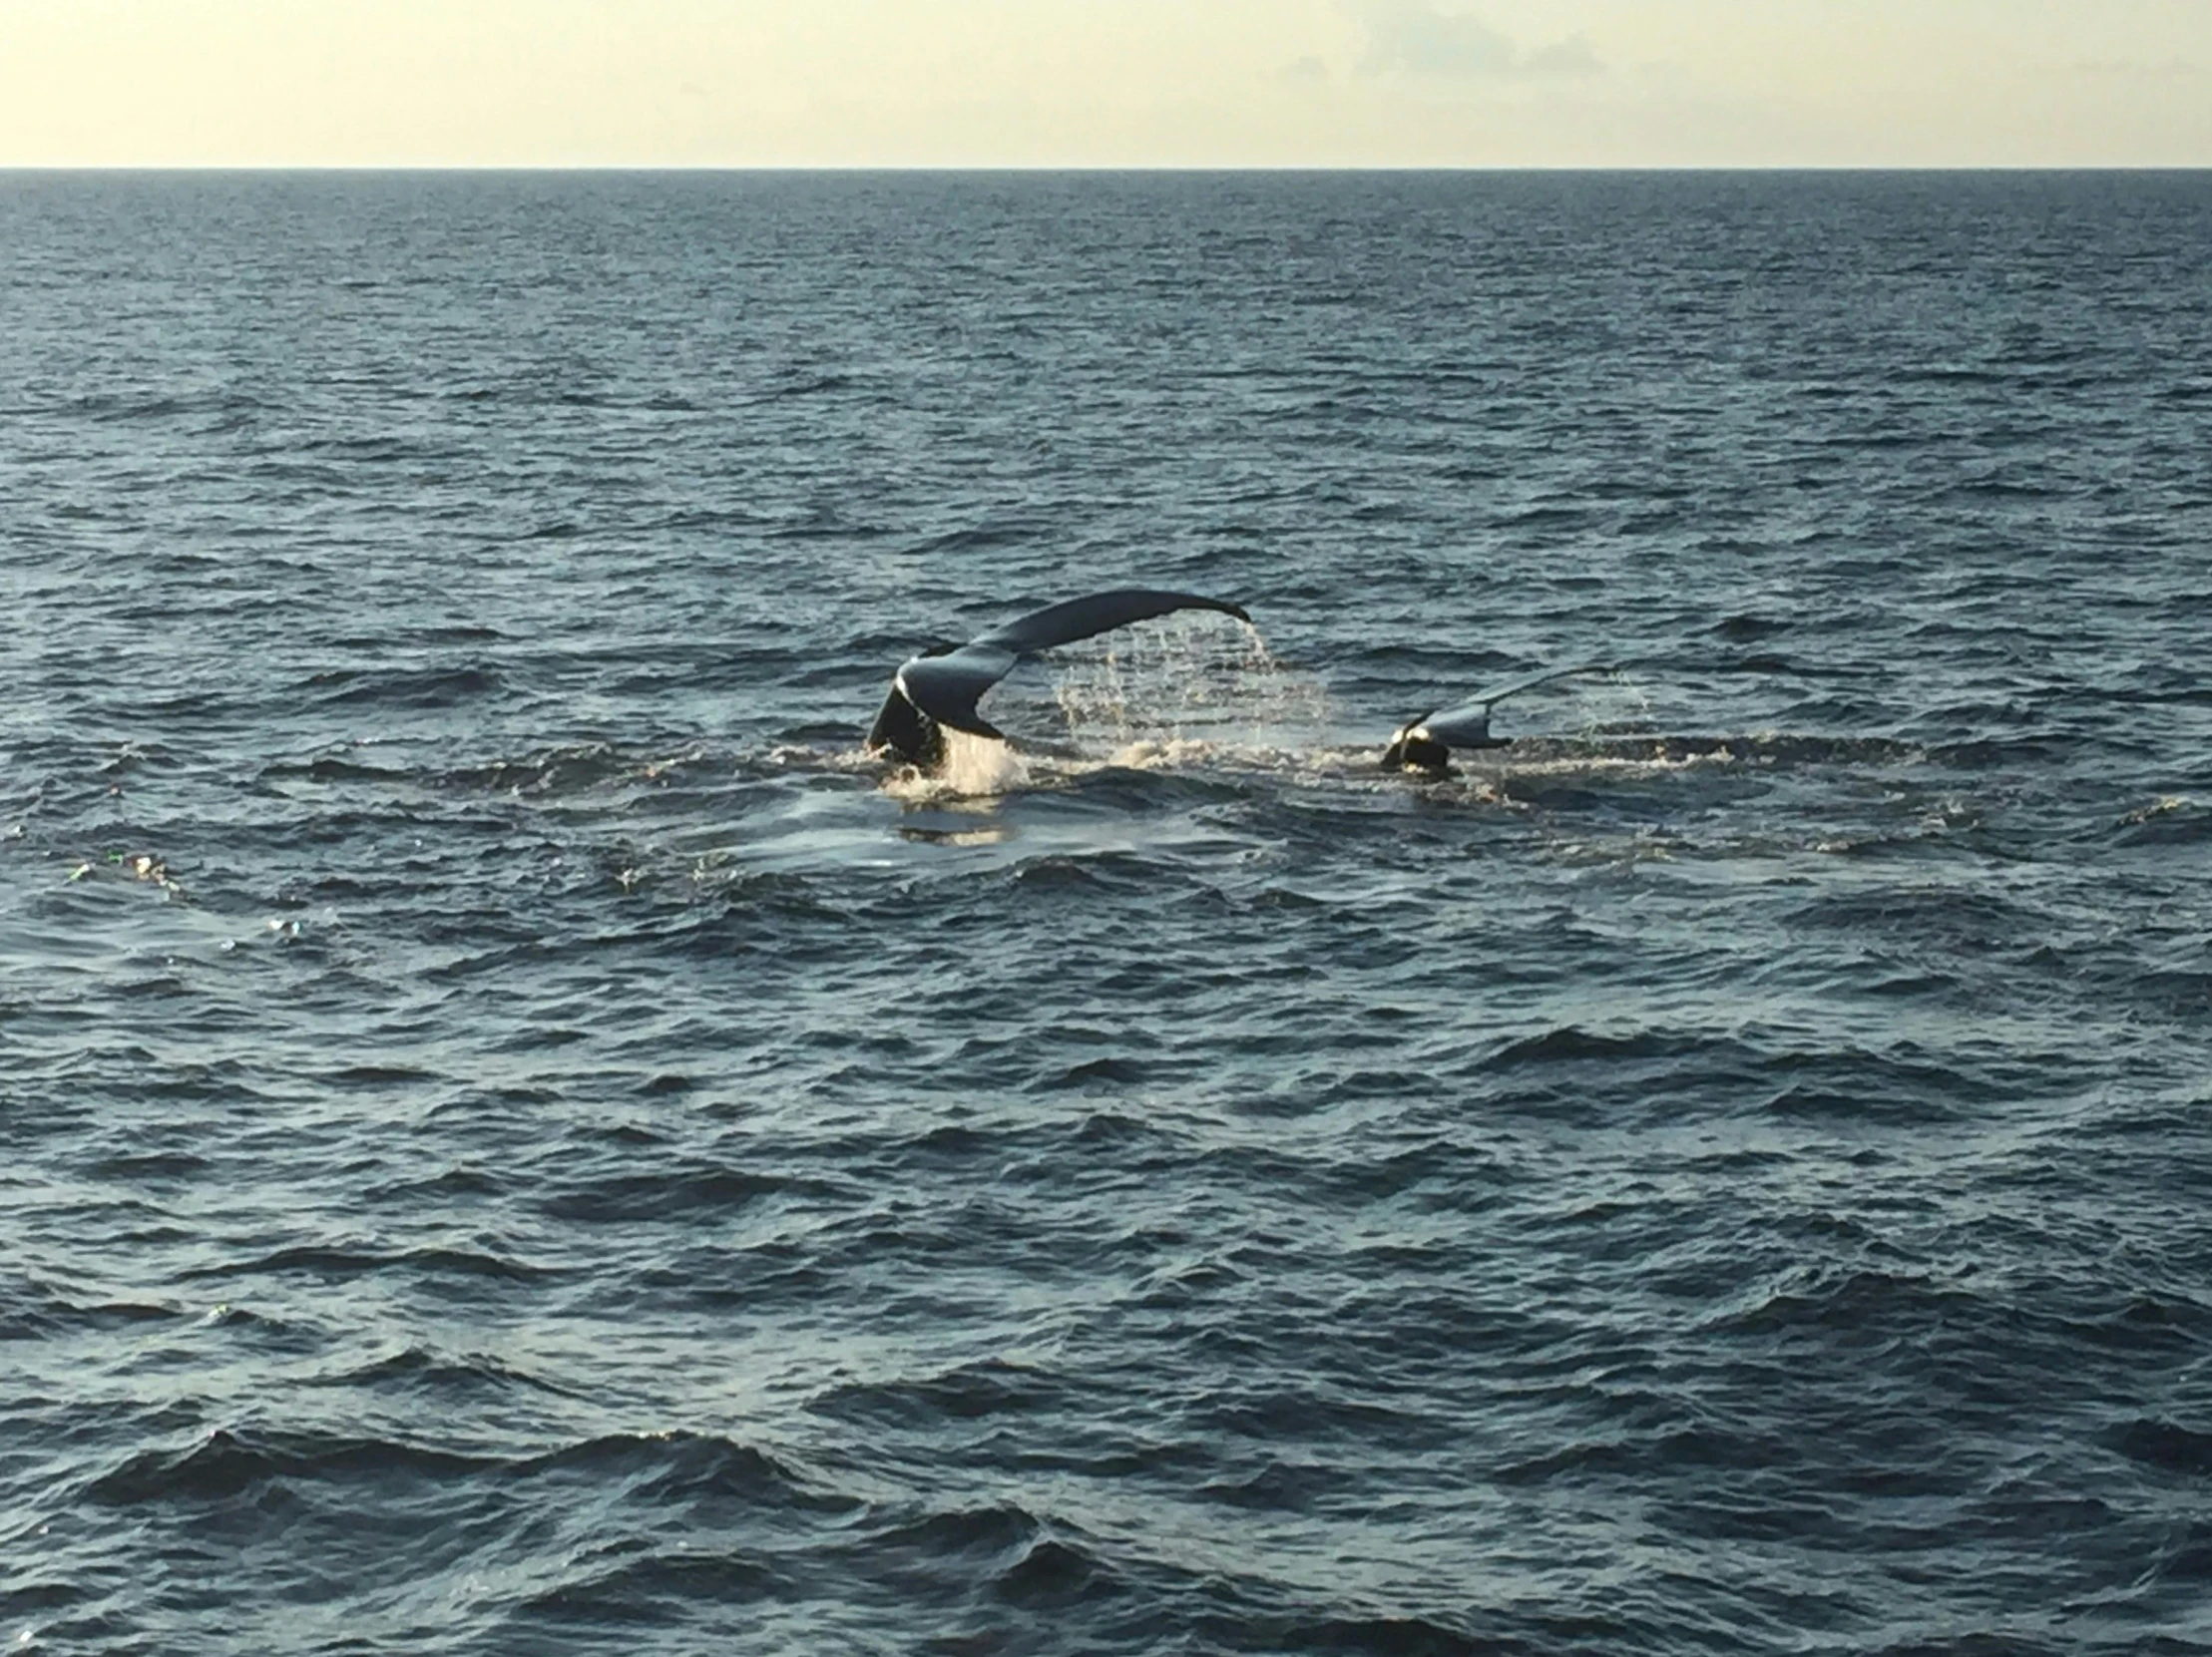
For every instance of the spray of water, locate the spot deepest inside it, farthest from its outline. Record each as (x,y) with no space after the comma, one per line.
(1173,691)
(1615,703)
(1179,687)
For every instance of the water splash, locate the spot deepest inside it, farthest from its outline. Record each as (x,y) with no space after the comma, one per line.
(974,766)
(1188,682)
(1615,703)
(1175,690)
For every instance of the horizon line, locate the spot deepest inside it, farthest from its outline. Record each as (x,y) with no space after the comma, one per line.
(1099,166)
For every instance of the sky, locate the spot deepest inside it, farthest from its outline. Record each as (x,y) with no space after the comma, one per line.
(1106,82)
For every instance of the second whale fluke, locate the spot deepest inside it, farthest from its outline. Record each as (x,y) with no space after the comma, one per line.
(1426,745)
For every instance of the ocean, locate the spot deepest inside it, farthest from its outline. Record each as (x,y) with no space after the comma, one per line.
(520,1137)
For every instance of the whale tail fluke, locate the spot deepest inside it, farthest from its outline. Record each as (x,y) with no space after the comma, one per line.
(938,690)
(1426,745)
(1085,617)
(903,730)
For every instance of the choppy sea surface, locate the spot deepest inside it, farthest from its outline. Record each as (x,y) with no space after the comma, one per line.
(516,1137)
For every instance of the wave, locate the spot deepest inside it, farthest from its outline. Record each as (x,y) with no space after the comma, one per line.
(688,1192)
(337,1262)
(457,1377)
(1767,750)
(404,686)
(2164,1444)
(151,407)
(2171,820)
(990,1388)
(329,768)
(681,1468)
(227,1465)
(574,769)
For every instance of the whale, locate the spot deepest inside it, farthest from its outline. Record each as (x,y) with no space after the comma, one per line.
(1426,745)
(937,691)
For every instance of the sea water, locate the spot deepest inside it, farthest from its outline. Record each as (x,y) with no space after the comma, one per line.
(518,1137)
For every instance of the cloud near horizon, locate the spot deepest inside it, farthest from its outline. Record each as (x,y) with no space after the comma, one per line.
(1415,37)
(2127,67)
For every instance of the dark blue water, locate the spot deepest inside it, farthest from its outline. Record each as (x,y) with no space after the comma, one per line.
(516,1137)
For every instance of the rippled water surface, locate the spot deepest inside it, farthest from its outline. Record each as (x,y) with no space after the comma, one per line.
(518,1137)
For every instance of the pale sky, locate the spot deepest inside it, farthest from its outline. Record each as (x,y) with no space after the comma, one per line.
(1106,82)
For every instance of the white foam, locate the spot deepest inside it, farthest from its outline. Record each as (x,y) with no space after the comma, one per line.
(974,766)
(1174,754)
